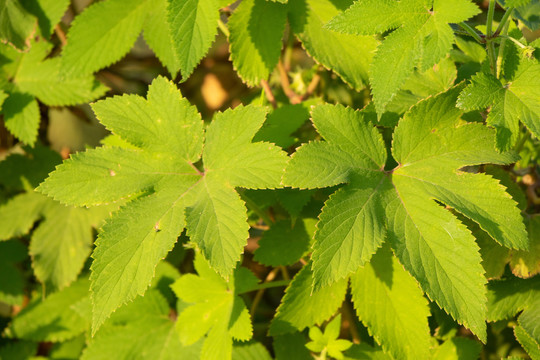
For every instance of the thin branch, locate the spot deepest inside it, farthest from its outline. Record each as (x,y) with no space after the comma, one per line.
(294,98)
(61,35)
(271,276)
(504,19)
(268,92)
(348,315)
(312,86)
(471,31)
(223,28)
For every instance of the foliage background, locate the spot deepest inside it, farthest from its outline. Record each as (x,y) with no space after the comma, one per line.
(45,310)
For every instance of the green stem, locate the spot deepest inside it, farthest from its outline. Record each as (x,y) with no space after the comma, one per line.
(522,141)
(490,14)
(505,37)
(489,32)
(269,285)
(504,20)
(223,28)
(471,31)
(253,206)
(501,50)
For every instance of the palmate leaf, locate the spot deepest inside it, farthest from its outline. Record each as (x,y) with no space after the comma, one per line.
(215,309)
(421,37)
(430,147)
(517,100)
(168,133)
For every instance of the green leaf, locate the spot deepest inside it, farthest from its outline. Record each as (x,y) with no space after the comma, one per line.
(158,35)
(12,282)
(526,264)
(391,304)
(291,345)
(102,34)
(193,26)
(21,117)
(169,134)
(364,352)
(528,342)
(215,310)
(458,348)
(22,171)
(284,244)
(348,231)
(18,215)
(518,100)
(422,37)
(52,319)
(507,297)
(430,146)
(256,28)
(16,25)
(146,333)
(254,351)
(62,242)
(48,13)
(347,55)
(43,80)
(329,339)
(303,306)
(283,121)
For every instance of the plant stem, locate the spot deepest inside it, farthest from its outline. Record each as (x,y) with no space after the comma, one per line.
(253,206)
(505,37)
(471,31)
(294,98)
(522,141)
(489,41)
(268,92)
(271,275)
(348,315)
(501,50)
(223,28)
(504,20)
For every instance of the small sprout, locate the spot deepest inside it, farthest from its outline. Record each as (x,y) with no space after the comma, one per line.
(328,342)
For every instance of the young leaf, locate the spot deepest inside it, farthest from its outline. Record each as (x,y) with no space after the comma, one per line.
(216,310)
(102,34)
(430,147)
(347,55)
(421,37)
(193,26)
(256,28)
(169,134)
(517,100)
(391,304)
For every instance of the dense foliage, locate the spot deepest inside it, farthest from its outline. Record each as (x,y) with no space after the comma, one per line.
(269,179)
